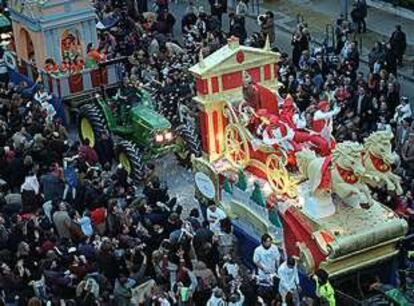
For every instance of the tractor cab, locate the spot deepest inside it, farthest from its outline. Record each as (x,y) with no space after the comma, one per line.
(142,133)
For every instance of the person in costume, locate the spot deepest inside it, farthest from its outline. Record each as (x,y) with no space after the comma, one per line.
(51,67)
(65,67)
(257,96)
(296,121)
(323,120)
(94,56)
(278,133)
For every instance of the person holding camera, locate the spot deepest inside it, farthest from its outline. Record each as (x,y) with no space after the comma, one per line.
(267,26)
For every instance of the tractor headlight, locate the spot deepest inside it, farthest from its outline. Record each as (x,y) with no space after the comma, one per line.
(159,138)
(168,136)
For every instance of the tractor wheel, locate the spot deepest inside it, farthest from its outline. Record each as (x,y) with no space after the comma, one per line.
(130,157)
(91,123)
(190,141)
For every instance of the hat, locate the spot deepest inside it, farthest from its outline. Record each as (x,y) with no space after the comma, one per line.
(323,105)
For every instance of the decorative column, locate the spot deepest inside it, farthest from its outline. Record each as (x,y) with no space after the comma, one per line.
(56,46)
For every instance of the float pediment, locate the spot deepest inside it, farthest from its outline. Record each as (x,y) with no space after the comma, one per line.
(233,58)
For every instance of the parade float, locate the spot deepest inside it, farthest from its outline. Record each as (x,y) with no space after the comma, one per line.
(49,32)
(315,200)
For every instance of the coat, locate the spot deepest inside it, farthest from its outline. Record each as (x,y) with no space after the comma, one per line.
(398,42)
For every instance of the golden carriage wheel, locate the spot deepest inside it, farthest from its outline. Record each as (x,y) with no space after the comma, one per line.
(277,175)
(236,146)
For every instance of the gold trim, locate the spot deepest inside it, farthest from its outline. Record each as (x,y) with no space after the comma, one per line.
(373,247)
(357,261)
(257,164)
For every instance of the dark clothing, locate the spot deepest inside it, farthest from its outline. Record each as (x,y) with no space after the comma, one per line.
(299,45)
(105,150)
(357,15)
(393,99)
(218,8)
(155,195)
(398,43)
(390,61)
(375,55)
(52,186)
(365,111)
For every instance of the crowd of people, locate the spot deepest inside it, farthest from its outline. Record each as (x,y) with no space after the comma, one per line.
(74,229)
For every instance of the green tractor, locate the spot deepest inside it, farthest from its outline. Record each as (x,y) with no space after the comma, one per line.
(141,133)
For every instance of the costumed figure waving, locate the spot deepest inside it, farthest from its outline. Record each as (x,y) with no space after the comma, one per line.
(276,132)
(296,121)
(323,120)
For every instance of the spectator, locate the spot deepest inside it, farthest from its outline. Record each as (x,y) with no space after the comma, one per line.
(218,8)
(289,281)
(266,257)
(267,26)
(390,59)
(214,216)
(407,153)
(398,43)
(62,221)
